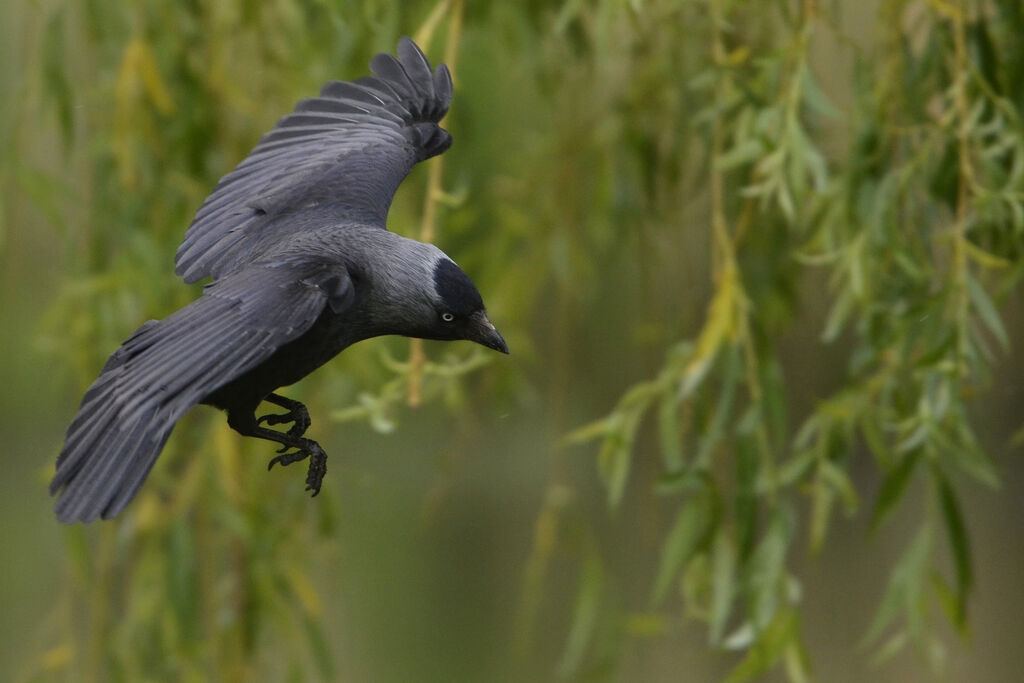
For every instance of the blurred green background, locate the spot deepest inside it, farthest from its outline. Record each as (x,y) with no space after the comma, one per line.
(841,182)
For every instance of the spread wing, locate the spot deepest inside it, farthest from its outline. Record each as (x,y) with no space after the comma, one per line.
(167,366)
(339,156)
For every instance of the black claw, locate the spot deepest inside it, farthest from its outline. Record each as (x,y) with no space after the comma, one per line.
(317,470)
(293,446)
(317,462)
(288,458)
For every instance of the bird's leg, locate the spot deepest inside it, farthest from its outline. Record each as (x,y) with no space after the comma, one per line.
(297,415)
(246,424)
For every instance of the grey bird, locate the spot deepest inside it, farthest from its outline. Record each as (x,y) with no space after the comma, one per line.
(302,266)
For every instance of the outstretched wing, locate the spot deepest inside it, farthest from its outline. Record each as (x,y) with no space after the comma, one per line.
(338,156)
(167,366)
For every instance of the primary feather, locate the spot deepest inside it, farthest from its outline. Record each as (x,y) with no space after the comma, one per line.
(342,155)
(168,366)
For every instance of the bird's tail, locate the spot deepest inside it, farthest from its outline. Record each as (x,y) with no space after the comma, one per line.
(167,366)
(114,439)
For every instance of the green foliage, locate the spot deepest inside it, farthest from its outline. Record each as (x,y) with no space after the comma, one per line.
(918,223)
(655,188)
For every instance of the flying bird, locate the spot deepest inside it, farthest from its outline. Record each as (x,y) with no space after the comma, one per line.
(302,266)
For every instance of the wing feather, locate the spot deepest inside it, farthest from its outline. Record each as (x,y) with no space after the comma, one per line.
(168,366)
(337,157)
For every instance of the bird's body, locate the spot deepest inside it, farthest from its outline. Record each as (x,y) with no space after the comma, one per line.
(382,265)
(302,265)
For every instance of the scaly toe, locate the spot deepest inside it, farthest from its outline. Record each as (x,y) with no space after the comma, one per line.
(273,418)
(287,458)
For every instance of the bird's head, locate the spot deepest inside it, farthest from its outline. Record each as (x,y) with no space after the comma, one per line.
(418,291)
(458,310)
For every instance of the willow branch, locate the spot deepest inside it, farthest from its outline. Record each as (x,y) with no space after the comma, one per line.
(428,224)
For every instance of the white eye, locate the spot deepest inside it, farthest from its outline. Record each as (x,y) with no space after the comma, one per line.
(447,317)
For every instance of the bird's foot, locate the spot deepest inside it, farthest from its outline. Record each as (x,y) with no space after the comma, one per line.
(317,462)
(317,470)
(297,415)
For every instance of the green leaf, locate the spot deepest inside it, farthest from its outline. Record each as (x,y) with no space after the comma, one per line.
(743,153)
(766,570)
(837,317)
(970,458)
(907,264)
(768,648)
(585,615)
(721,413)
(786,202)
(873,437)
(615,456)
(319,647)
(812,160)
(893,487)
(830,482)
(723,585)
(670,432)
(915,438)
(684,481)
(746,510)
(959,544)
(613,465)
(822,497)
(597,429)
(773,403)
(795,468)
(687,535)
(890,648)
(798,663)
(815,98)
(905,583)
(948,598)
(840,481)
(987,312)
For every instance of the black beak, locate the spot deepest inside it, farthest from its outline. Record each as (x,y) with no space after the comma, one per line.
(486,334)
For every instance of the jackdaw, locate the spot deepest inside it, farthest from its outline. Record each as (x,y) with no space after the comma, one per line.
(302,266)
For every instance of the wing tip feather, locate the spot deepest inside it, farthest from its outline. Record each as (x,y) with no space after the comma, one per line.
(402,96)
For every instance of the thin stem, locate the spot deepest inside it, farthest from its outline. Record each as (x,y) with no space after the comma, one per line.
(961,267)
(722,254)
(428,223)
(724,249)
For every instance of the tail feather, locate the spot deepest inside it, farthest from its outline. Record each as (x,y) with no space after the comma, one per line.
(110,448)
(128,413)
(168,366)
(137,469)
